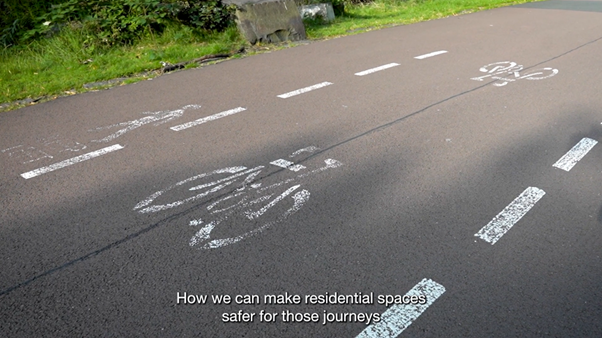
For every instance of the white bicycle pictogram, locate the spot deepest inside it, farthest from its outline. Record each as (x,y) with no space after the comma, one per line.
(237,201)
(508,71)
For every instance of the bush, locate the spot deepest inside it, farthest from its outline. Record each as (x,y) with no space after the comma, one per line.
(109,22)
(210,15)
(112,22)
(18,16)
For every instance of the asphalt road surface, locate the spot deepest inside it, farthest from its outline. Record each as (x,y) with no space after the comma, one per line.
(441,179)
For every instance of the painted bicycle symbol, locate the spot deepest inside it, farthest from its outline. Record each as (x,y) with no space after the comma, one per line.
(507,71)
(240,205)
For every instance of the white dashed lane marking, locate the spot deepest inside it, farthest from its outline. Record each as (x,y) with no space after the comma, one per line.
(208,119)
(304,90)
(400,316)
(70,161)
(506,219)
(568,161)
(370,71)
(420,57)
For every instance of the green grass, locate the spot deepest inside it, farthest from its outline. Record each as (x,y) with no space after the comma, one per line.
(61,65)
(384,13)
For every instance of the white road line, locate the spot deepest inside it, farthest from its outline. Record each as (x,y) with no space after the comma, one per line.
(370,71)
(287,165)
(506,219)
(304,90)
(568,161)
(400,316)
(70,161)
(420,57)
(207,119)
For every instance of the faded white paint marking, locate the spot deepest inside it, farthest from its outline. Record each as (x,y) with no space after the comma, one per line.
(568,161)
(420,57)
(300,198)
(70,161)
(255,214)
(60,145)
(400,316)
(497,68)
(249,199)
(502,66)
(212,205)
(531,76)
(304,90)
(296,167)
(511,71)
(155,208)
(208,119)
(157,118)
(229,178)
(506,219)
(27,155)
(373,70)
(287,165)
(11,148)
(51,146)
(310,149)
(330,163)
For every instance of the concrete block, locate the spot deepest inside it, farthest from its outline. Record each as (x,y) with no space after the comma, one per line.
(269,21)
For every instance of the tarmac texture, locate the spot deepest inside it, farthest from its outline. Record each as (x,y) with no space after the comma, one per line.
(441,179)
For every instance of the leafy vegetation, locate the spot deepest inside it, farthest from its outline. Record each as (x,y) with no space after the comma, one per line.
(109,22)
(51,48)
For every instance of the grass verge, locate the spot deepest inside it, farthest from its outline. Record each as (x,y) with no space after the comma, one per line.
(61,65)
(386,13)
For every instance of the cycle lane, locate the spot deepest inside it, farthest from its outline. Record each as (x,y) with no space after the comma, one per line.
(131,253)
(408,288)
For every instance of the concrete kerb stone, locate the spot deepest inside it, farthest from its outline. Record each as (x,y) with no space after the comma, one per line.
(269,21)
